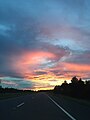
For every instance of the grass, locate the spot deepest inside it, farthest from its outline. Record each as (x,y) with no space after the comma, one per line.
(80,101)
(12,95)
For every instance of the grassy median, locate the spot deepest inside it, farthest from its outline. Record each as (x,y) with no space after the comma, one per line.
(12,95)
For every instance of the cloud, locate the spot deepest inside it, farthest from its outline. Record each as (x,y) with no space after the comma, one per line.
(40,72)
(27,62)
(81,58)
(39,38)
(67,36)
(18,83)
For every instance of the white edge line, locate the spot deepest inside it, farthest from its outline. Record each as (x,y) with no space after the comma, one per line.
(20,104)
(61,108)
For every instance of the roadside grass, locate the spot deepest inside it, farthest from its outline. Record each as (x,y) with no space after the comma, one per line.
(12,95)
(80,101)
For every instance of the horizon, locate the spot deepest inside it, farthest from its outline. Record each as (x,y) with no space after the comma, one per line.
(40,88)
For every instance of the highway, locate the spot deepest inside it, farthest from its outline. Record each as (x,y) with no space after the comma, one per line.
(43,106)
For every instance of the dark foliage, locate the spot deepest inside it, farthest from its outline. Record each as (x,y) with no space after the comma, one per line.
(12,90)
(77,88)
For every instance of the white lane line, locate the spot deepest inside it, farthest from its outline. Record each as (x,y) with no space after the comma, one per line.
(61,108)
(20,105)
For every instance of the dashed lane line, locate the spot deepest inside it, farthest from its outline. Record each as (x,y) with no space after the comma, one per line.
(20,105)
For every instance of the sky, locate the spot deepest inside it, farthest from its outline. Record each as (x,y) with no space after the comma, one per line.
(44,42)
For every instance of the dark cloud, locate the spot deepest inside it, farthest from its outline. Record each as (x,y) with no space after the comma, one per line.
(79,58)
(40,73)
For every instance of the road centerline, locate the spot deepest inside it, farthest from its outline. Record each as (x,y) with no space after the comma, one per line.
(20,104)
(70,116)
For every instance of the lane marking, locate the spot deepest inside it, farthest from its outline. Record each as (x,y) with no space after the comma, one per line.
(20,105)
(61,108)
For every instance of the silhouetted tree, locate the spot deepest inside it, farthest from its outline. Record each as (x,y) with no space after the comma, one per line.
(87,89)
(74,86)
(0,84)
(74,80)
(65,88)
(77,88)
(57,89)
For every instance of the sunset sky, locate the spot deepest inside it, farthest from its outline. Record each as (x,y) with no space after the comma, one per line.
(44,42)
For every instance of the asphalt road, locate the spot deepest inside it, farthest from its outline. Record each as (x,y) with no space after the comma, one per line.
(42,106)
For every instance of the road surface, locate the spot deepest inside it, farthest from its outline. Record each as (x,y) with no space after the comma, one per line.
(42,106)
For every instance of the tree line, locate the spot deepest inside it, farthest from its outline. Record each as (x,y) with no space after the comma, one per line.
(12,90)
(77,88)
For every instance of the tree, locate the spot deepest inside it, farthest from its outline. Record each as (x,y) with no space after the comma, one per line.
(0,84)
(74,86)
(80,82)
(74,80)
